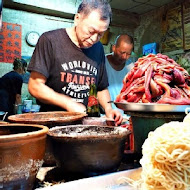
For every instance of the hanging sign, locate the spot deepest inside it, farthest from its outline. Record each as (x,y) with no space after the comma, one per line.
(10,42)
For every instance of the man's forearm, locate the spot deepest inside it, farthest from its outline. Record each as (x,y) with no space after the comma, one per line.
(47,95)
(104,98)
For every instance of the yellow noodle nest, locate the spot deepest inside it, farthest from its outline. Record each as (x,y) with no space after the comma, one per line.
(166,158)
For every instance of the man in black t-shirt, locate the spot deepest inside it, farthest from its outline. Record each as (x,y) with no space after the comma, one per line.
(11,85)
(66,61)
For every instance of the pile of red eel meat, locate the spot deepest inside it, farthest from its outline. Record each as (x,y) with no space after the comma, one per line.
(156,79)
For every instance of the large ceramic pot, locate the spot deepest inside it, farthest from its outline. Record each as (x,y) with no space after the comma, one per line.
(49,119)
(88,150)
(22,149)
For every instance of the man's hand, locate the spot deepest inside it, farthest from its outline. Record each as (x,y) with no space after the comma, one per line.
(104,98)
(114,114)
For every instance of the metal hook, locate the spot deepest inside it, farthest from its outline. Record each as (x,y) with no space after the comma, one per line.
(4,116)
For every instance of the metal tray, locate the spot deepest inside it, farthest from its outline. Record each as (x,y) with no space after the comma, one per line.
(151,107)
(103,182)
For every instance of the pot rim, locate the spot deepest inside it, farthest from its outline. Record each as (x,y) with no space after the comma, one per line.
(21,118)
(122,132)
(43,130)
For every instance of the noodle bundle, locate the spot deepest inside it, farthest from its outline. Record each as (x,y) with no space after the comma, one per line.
(166,158)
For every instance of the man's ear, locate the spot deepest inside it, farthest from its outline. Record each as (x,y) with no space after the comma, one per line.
(113,47)
(77,19)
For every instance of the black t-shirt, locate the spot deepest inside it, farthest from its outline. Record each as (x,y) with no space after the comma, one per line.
(69,70)
(10,85)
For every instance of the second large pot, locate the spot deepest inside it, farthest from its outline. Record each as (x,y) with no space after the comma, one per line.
(88,150)
(49,119)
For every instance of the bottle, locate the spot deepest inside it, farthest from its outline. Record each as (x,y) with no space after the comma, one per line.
(93,109)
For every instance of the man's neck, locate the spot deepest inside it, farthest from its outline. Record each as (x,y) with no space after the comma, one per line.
(72,35)
(19,71)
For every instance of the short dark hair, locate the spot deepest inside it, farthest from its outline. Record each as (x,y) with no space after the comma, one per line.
(124,37)
(19,63)
(87,6)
